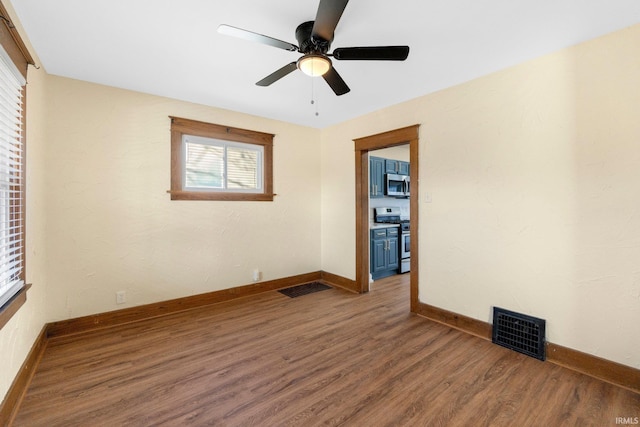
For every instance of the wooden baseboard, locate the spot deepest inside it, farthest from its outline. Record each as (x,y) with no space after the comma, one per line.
(339,281)
(133,314)
(456,321)
(602,369)
(20,383)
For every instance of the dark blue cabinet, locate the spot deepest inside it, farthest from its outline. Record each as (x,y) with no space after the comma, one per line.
(385,253)
(403,168)
(379,262)
(391,166)
(376,177)
(393,260)
(396,166)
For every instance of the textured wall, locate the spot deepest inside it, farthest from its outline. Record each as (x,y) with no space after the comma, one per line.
(533,173)
(111,225)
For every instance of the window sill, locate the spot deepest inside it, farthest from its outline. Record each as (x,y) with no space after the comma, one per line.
(13,305)
(203,195)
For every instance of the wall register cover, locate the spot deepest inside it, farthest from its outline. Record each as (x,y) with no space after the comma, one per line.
(519,332)
(307,288)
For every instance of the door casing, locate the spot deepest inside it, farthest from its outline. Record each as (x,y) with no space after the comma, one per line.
(408,135)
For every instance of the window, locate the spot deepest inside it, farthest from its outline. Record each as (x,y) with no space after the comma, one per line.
(11,83)
(14,59)
(214,162)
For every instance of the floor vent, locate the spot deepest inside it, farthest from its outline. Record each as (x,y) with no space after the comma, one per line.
(307,288)
(519,332)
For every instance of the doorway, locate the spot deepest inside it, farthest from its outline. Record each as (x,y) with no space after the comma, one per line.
(408,135)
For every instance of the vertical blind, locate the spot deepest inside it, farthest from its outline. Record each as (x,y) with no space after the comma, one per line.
(11,179)
(222,165)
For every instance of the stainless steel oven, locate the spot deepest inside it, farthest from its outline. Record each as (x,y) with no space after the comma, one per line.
(405,248)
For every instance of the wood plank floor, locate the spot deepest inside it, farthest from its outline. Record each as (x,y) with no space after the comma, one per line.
(328,358)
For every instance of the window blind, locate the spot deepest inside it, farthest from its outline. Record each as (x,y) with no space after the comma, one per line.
(204,166)
(11,179)
(212,164)
(242,168)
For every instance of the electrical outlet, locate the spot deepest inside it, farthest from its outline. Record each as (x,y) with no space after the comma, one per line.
(256,275)
(121,297)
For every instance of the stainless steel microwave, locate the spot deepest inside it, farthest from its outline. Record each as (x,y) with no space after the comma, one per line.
(397,185)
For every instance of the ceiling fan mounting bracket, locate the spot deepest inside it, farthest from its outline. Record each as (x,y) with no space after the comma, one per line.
(309,43)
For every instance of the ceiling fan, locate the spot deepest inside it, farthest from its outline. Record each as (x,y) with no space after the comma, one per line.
(314,39)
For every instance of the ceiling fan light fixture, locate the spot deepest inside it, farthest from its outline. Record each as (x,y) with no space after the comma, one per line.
(314,65)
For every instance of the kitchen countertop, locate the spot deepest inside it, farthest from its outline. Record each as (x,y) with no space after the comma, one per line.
(376,225)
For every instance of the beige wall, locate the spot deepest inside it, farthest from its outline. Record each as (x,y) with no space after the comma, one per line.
(533,173)
(112,226)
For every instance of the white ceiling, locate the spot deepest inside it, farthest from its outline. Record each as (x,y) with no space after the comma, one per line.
(173,49)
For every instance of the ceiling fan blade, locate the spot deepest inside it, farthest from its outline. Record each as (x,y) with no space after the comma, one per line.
(277,75)
(373,53)
(255,37)
(336,83)
(327,17)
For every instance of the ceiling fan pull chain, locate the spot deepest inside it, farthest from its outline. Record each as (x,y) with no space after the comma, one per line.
(314,101)
(313,93)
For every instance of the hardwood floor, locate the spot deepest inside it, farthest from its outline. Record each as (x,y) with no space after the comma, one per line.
(328,358)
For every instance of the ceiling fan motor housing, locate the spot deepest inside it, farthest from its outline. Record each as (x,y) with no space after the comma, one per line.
(308,43)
